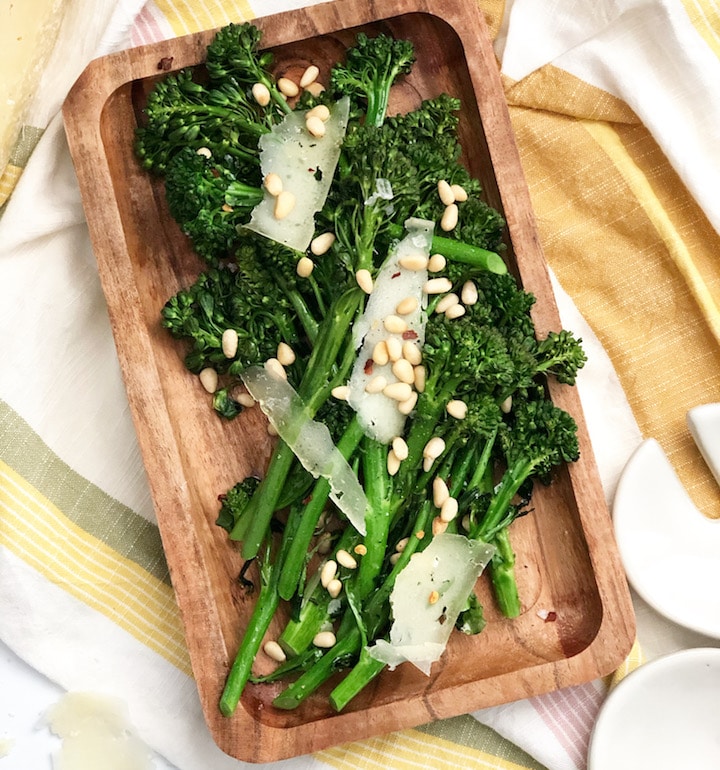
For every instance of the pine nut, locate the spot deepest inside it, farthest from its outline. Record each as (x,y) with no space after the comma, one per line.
(438,526)
(427,463)
(447,302)
(380,353)
(364,280)
(321,244)
(437,286)
(449,509)
(393,463)
(436,263)
(229,343)
(334,588)
(434,597)
(274,651)
(324,545)
(394,324)
(401,545)
(315,88)
(319,111)
(271,430)
(459,193)
(395,558)
(398,391)
(469,293)
(449,218)
(376,385)
(315,126)
(456,311)
(204,151)
(287,87)
(420,378)
(284,204)
(261,94)
(403,370)
(305,267)
(457,409)
(209,379)
(465,523)
(413,262)
(434,447)
(406,306)
(324,639)
(328,572)
(400,448)
(309,76)
(273,366)
(341,392)
(285,354)
(405,407)
(394,348)
(273,184)
(345,559)
(506,406)
(245,400)
(440,491)
(360,549)
(411,352)
(445,192)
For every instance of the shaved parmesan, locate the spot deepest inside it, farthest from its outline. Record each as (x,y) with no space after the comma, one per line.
(310,440)
(422,625)
(306,165)
(378,414)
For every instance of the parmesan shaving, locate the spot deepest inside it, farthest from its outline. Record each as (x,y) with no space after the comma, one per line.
(450,565)
(378,414)
(309,440)
(306,165)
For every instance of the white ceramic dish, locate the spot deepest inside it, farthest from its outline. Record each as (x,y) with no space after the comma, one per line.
(670,550)
(704,424)
(662,716)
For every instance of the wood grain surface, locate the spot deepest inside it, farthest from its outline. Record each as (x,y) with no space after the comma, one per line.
(566,557)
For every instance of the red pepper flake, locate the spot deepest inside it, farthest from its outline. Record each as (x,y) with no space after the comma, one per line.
(395,275)
(215,172)
(307,500)
(410,334)
(368,366)
(551,617)
(165,63)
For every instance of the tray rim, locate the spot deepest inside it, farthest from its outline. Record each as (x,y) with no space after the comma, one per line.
(85,104)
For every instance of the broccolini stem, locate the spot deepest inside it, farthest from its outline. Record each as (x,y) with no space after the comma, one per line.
(457,251)
(267,495)
(347,644)
(502,574)
(378,489)
(291,569)
(362,673)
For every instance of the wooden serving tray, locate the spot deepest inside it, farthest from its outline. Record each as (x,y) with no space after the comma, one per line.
(567,562)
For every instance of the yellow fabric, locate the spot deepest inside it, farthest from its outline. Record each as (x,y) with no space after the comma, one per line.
(8,180)
(705,16)
(42,536)
(187,16)
(633,250)
(408,750)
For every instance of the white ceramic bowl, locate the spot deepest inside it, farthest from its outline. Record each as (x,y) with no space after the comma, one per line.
(662,716)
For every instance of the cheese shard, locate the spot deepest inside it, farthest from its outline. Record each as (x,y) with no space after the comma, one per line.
(96,732)
(310,441)
(27,38)
(306,165)
(378,414)
(423,620)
